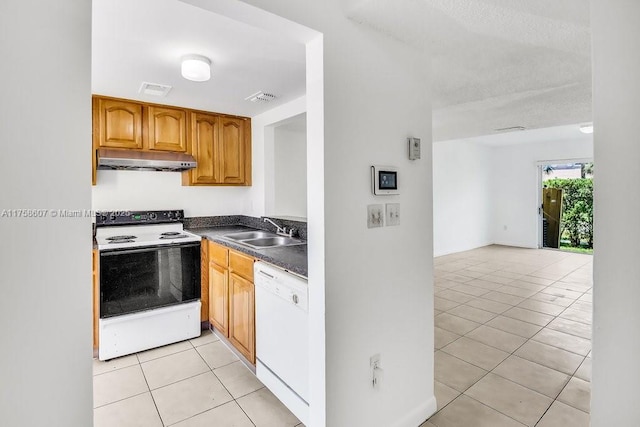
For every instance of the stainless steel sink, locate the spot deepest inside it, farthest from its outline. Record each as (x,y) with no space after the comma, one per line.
(263,239)
(247,235)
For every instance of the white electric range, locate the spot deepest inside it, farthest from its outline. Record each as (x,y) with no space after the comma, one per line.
(149,281)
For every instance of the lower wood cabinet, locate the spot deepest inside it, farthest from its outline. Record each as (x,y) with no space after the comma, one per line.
(241,316)
(232,297)
(204,282)
(219,298)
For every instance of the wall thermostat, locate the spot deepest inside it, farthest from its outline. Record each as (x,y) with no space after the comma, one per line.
(414,148)
(384,180)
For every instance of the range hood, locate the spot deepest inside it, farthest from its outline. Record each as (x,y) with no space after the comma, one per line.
(113,158)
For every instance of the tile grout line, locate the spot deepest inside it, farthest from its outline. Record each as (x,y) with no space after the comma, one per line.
(554,317)
(155,405)
(560,392)
(120,400)
(233,398)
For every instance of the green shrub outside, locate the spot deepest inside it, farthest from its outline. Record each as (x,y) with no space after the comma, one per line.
(577,209)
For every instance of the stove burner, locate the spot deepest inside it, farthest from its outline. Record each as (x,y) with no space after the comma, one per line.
(121,238)
(173,236)
(121,241)
(170,233)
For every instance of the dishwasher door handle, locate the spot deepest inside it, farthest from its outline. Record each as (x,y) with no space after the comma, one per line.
(266,274)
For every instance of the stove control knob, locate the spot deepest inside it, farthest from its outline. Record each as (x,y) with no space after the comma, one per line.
(177,215)
(169,215)
(152,215)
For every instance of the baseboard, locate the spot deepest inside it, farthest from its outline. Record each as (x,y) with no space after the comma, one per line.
(515,245)
(418,415)
(458,250)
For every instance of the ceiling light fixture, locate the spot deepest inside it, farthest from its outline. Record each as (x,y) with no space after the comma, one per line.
(587,128)
(196,68)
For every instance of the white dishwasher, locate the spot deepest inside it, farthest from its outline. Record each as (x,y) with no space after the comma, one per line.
(282,350)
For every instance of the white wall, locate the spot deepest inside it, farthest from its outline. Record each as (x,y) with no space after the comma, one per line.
(515,185)
(145,190)
(376,301)
(290,173)
(462,196)
(616,347)
(263,137)
(484,184)
(45,127)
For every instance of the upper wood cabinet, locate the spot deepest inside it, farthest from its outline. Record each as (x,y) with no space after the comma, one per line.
(167,129)
(233,147)
(220,144)
(222,147)
(204,146)
(117,123)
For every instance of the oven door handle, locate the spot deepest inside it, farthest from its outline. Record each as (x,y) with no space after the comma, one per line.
(110,252)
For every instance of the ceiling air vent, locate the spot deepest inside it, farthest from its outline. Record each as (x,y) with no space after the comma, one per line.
(260,97)
(154,89)
(510,129)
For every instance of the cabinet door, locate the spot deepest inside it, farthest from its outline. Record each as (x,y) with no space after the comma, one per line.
(241,316)
(219,298)
(167,129)
(204,281)
(119,124)
(205,148)
(233,166)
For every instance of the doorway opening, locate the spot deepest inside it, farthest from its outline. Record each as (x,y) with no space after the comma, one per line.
(566,205)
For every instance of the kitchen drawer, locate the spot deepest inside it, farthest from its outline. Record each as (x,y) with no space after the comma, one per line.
(219,254)
(241,264)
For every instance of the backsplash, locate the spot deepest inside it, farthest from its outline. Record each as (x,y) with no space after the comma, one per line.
(211,221)
(300,228)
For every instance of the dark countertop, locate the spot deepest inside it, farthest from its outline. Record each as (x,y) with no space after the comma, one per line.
(291,258)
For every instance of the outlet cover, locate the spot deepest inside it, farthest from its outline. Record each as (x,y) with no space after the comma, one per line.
(375,216)
(393,214)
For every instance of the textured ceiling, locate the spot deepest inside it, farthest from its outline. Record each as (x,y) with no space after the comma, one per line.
(496,63)
(143,40)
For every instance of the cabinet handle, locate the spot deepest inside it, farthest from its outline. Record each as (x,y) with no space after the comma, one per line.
(294,297)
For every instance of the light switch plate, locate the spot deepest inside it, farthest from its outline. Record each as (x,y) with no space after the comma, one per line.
(393,213)
(375,216)
(414,148)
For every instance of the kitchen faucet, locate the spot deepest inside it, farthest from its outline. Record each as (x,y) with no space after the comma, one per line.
(281,230)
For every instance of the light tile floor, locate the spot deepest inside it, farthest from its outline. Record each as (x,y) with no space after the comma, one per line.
(512,338)
(193,383)
(512,348)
